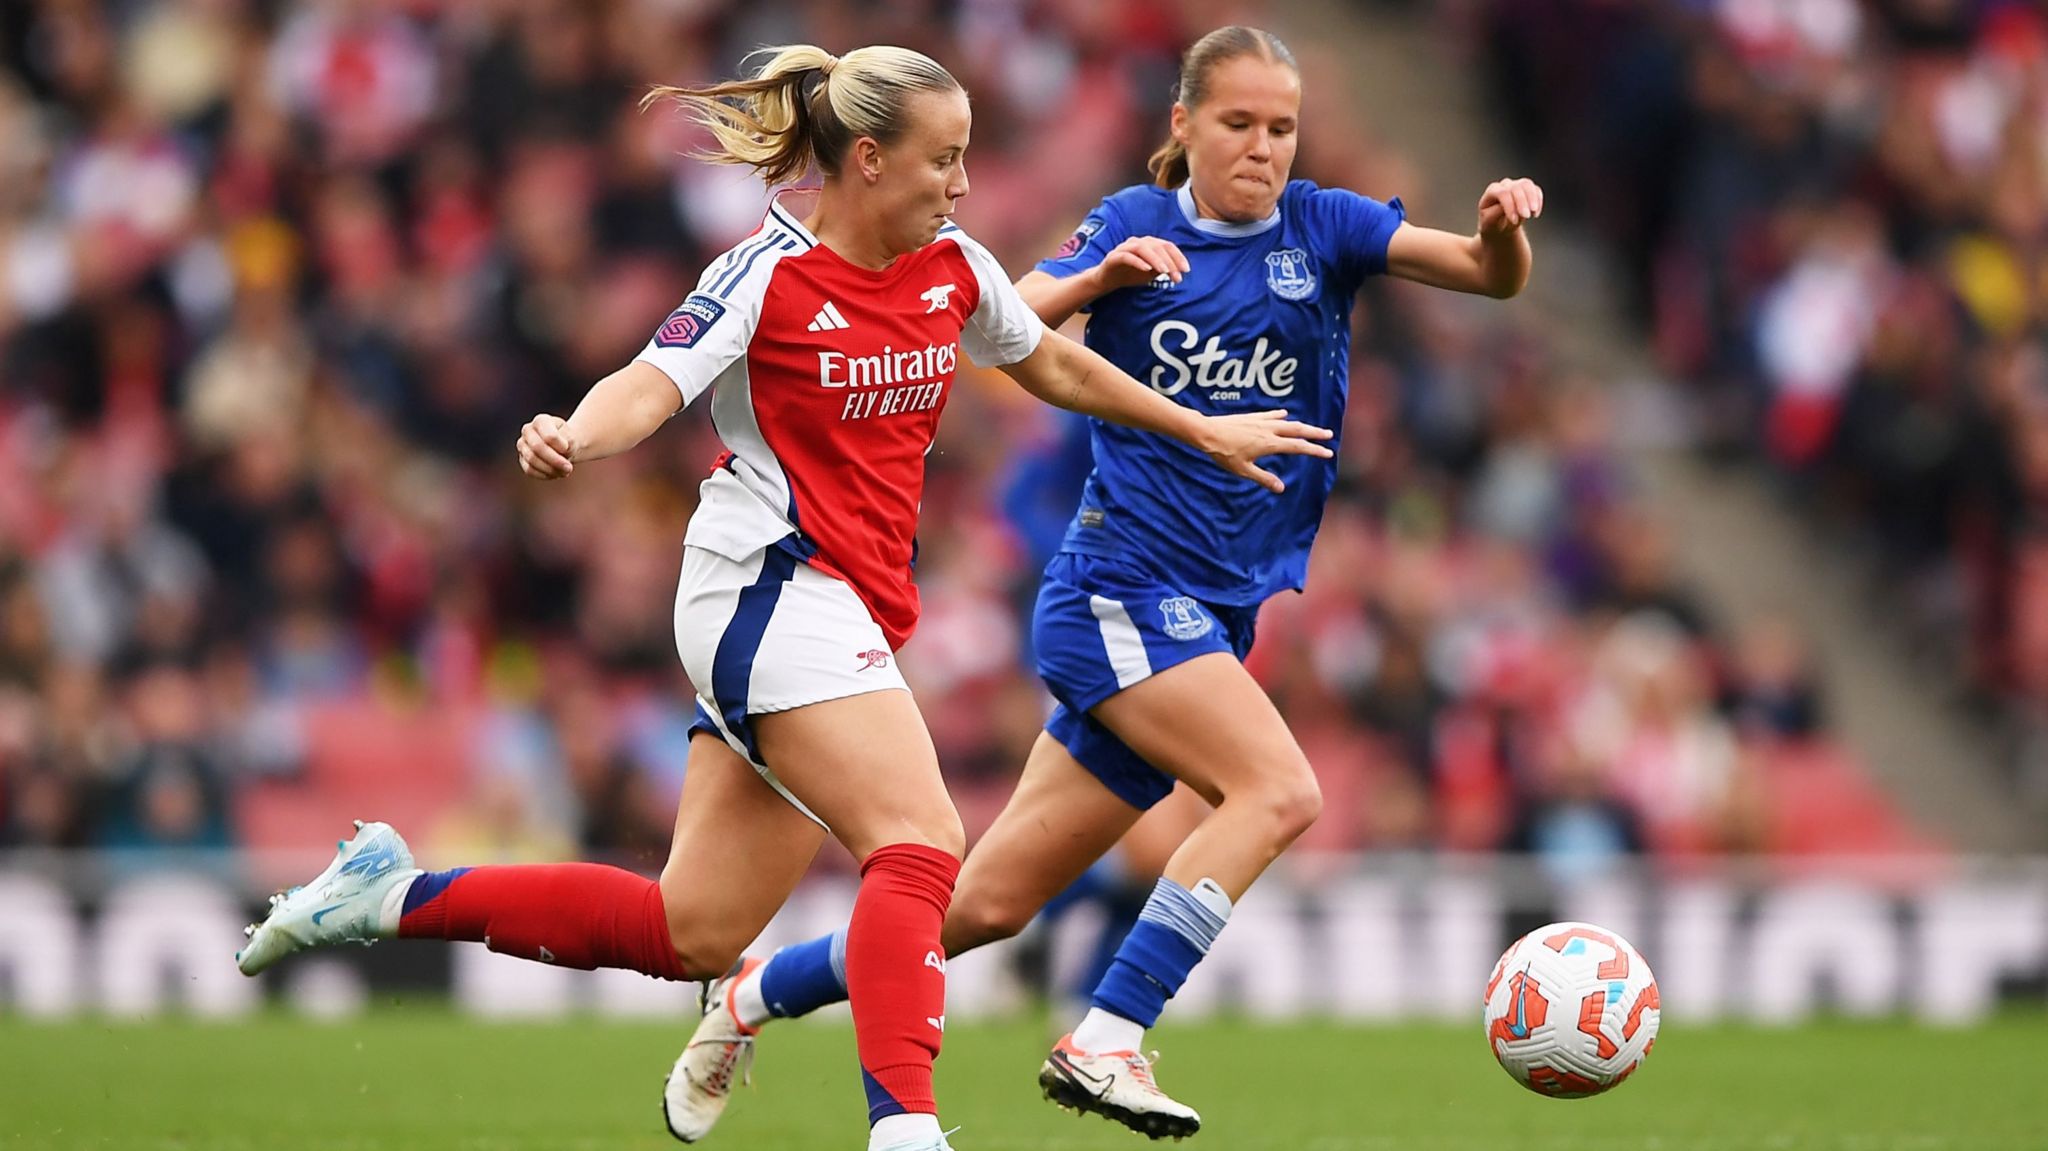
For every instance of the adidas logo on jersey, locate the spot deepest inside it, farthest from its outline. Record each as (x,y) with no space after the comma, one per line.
(828,319)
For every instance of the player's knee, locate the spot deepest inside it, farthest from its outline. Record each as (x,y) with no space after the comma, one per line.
(1293,801)
(941,829)
(976,919)
(704,954)
(935,825)
(705,948)
(951,836)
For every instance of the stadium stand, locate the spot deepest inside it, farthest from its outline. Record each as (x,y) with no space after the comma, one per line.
(1833,233)
(278,284)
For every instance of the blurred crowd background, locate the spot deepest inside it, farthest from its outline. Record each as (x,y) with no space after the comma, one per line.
(1833,215)
(279,282)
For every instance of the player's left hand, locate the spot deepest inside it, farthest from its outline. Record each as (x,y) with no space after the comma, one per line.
(1238,442)
(1508,204)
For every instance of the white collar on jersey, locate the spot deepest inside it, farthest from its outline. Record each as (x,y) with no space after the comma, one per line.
(781,215)
(1186,196)
(788,220)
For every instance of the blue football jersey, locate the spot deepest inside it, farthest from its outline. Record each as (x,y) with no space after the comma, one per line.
(1261,321)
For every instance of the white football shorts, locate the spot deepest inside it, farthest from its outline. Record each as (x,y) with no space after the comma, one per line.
(770,633)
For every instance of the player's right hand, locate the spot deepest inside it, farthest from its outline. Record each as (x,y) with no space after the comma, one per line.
(1238,442)
(1141,260)
(546,451)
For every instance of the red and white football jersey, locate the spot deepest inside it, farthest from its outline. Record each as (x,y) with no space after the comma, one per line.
(827,381)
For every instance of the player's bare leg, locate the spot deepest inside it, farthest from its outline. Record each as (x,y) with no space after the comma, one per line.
(739,849)
(1117,884)
(1057,822)
(1120,883)
(1149,845)
(865,764)
(1235,752)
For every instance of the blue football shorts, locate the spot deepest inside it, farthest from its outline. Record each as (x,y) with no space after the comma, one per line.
(1101,626)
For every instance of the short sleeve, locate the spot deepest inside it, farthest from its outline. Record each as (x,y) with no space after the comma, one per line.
(1003,328)
(1094,240)
(1359,227)
(712,326)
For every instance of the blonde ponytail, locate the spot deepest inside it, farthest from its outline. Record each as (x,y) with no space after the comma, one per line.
(806,106)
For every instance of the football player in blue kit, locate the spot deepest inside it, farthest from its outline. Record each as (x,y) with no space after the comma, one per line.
(1228,287)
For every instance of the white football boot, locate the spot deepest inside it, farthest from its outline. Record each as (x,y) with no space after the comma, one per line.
(356,900)
(700,1084)
(1115,1085)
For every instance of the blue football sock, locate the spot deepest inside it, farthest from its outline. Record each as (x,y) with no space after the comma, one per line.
(803,977)
(1172,934)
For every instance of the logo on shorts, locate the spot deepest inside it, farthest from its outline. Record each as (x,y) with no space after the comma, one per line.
(1289,275)
(1185,618)
(875,657)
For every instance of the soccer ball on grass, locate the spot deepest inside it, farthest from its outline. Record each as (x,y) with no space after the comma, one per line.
(1571,1010)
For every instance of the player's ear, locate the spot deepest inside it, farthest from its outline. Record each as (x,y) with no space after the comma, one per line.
(1179,124)
(866,154)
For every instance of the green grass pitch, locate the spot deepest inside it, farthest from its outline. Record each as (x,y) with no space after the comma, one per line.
(424,1079)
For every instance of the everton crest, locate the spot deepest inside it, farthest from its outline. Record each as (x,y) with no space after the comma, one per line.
(1184,618)
(1290,275)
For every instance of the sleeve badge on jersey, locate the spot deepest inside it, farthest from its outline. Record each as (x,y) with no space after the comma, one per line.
(687,324)
(1080,238)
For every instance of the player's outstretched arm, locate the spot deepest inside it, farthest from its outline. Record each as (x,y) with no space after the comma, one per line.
(1068,375)
(1138,260)
(620,411)
(1495,261)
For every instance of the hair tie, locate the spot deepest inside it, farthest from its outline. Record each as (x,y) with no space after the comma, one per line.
(813,80)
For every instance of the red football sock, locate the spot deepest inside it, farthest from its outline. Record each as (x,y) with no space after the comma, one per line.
(569,914)
(896,974)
